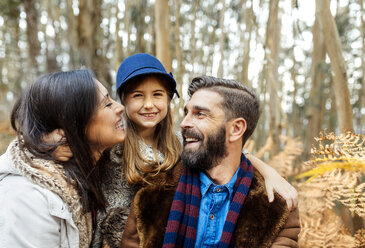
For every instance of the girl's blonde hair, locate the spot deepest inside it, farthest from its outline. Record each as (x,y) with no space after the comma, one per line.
(137,168)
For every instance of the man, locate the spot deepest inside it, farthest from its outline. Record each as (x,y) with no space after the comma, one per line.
(216,199)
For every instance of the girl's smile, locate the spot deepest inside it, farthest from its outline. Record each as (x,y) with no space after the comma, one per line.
(147,104)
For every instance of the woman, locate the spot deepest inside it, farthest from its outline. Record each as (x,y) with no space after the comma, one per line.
(45,203)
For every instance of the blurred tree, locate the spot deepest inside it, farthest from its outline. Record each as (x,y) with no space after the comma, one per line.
(271,58)
(127,29)
(138,16)
(90,44)
(222,37)
(179,57)
(193,37)
(362,95)
(162,27)
(247,15)
(315,108)
(32,33)
(72,35)
(52,43)
(12,63)
(339,75)
(118,54)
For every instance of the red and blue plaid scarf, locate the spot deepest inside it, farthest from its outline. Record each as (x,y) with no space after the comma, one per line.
(184,213)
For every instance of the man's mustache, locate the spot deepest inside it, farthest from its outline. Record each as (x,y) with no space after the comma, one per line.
(191,134)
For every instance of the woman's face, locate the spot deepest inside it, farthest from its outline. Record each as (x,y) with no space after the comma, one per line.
(106,127)
(147,104)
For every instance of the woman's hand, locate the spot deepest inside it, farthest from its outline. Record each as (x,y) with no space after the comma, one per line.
(275,183)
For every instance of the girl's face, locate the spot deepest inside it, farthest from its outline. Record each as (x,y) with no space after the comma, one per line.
(106,126)
(147,104)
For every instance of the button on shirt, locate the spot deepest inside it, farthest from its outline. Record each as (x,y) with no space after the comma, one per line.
(214,207)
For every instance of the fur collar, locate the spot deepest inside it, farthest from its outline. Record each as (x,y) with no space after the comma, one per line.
(257,226)
(50,175)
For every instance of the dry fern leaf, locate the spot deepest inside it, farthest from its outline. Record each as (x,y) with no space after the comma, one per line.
(360,238)
(284,160)
(335,176)
(326,231)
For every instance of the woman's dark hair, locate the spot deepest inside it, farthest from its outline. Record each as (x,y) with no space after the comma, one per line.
(63,100)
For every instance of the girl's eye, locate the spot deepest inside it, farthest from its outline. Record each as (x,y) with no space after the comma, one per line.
(137,95)
(109,104)
(158,94)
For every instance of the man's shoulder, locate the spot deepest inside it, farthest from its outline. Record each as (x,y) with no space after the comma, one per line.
(260,219)
(258,191)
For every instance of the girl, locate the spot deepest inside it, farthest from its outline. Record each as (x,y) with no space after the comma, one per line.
(46,203)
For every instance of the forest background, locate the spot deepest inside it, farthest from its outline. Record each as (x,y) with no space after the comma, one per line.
(304,58)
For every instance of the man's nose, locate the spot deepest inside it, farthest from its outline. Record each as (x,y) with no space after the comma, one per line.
(186,122)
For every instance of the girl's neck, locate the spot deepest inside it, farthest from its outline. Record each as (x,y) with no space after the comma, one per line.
(147,135)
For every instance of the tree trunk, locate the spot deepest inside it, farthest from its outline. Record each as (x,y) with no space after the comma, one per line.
(272,47)
(72,35)
(222,38)
(87,26)
(162,27)
(180,65)
(362,105)
(51,44)
(127,17)
(248,15)
(32,33)
(141,25)
(334,50)
(333,116)
(118,55)
(193,39)
(19,76)
(90,48)
(315,106)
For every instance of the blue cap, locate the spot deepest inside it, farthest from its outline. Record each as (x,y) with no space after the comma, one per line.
(142,64)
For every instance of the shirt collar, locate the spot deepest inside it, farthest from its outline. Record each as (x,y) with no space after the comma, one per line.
(206,183)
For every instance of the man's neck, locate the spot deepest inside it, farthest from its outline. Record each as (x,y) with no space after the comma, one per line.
(224,171)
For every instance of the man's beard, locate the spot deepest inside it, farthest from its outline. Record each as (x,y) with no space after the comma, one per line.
(209,154)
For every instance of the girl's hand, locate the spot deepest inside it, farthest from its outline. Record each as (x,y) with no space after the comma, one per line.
(63,152)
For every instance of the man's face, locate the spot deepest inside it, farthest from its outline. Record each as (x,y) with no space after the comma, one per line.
(204,131)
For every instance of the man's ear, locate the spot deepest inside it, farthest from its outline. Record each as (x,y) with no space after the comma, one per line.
(236,129)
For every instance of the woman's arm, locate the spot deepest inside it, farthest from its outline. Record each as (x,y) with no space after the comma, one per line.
(25,218)
(275,183)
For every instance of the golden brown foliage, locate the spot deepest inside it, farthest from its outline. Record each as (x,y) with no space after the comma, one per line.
(335,178)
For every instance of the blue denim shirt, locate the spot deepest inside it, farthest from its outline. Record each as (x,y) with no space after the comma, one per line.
(214,207)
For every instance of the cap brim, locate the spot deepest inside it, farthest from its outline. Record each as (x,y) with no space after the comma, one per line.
(146,71)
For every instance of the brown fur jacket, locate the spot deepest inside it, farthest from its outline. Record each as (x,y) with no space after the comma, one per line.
(260,224)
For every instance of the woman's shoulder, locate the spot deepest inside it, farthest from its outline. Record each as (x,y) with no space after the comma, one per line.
(20,193)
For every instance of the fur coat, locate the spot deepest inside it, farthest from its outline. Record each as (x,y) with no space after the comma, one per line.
(119,194)
(260,224)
